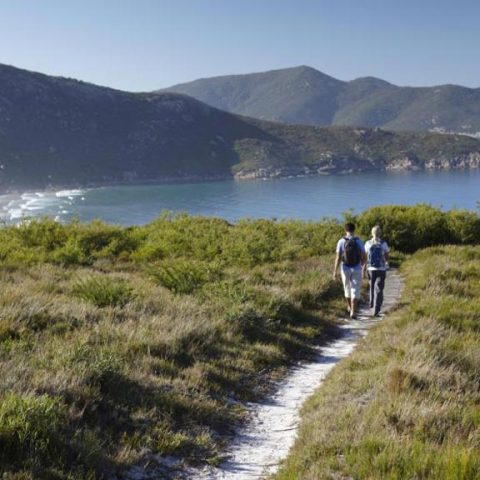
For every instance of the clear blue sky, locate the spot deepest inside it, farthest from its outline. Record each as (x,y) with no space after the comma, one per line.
(149,44)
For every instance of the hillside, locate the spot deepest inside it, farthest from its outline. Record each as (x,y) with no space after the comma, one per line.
(304,95)
(57,131)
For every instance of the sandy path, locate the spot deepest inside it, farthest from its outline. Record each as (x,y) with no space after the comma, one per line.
(260,446)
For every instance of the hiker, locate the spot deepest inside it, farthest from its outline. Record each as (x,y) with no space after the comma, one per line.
(351,255)
(376,267)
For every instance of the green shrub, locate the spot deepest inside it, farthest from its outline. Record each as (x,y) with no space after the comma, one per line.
(181,236)
(44,232)
(69,254)
(410,228)
(104,291)
(100,240)
(464,226)
(245,244)
(179,276)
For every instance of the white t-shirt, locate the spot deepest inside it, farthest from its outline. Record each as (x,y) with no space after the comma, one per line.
(385,250)
(341,247)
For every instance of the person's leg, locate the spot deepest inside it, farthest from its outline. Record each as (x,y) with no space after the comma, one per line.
(354,306)
(371,287)
(355,288)
(373,278)
(379,286)
(346,287)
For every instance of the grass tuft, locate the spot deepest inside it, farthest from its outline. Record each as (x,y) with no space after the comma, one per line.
(104,291)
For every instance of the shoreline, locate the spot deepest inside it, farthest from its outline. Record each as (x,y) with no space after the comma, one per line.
(150,198)
(247,176)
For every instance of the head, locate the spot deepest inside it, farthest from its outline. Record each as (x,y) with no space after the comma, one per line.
(349,228)
(376,232)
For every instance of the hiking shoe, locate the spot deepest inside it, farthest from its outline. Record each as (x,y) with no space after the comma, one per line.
(353,316)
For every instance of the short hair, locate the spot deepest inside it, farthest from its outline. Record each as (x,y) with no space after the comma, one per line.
(350,227)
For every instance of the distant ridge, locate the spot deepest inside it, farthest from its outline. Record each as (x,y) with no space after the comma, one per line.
(56,132)
(303,95)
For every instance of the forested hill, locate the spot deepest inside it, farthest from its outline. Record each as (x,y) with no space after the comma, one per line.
(57,131)
(304,95)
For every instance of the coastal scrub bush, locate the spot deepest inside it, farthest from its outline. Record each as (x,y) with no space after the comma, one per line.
(100,240)
(181,235)
(104,291)
(45,233)
(70,254)
(245,244)
(464,226)
(410,228)
(257,242)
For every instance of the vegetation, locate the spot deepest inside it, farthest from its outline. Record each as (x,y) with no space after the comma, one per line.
(303,95)
(406,403)
(104,291)
(412,228)
(119,343)
(49,138)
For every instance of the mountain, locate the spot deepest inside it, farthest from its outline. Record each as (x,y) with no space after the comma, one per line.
(303,95)
(56,131)
(294,95)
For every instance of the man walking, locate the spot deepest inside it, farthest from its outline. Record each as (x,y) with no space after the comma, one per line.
(351,256)
(377,266)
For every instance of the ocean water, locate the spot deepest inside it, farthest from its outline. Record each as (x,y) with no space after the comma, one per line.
(306,198)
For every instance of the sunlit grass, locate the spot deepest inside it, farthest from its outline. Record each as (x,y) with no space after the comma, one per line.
(406,403)
(118,341)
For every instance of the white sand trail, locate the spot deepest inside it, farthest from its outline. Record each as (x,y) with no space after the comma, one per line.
(258,448)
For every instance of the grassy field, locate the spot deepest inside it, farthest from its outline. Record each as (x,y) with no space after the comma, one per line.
(406,404)
(119,343)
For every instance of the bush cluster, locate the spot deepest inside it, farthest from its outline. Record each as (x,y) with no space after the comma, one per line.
(247,243)
(410,228)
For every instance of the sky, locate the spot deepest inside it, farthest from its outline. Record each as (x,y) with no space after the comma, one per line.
(142,45)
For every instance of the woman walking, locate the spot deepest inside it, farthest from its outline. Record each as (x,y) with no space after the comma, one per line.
(377,265)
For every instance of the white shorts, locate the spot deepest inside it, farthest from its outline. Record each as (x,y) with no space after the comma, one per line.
(352,281)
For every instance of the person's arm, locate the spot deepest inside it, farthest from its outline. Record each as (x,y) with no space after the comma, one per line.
(363,255)
(338,259)
(364,260)
(337,264)
(386,255)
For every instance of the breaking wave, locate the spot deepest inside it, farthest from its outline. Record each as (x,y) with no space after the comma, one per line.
(57,204)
